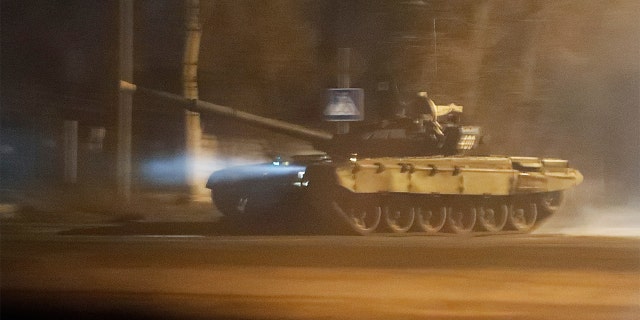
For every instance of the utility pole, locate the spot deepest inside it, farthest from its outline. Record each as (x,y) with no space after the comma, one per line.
(193,130)
(123,171)
(70,151)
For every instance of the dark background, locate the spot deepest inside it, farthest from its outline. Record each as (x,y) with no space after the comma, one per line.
(543,78)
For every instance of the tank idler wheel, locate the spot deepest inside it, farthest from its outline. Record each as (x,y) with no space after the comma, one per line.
(230,204)
(461,219)
(550,202)
(522,216)
(492,216)
(362,218)
(399,218)
(431,219)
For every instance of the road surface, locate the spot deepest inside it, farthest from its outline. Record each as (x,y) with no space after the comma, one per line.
(196,270)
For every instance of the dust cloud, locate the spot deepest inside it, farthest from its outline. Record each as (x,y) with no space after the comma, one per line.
(586,212)
(593,106)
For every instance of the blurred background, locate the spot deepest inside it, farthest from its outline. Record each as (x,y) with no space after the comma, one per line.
(543,78)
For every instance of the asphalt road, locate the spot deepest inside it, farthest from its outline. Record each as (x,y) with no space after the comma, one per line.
(200,270)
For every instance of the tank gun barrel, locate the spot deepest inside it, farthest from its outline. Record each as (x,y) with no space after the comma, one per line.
(208,107)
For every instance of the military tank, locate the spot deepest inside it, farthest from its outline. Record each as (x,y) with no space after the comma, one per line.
(408,174)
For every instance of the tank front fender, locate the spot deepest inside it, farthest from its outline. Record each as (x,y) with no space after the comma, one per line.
(321,175)
(548,181)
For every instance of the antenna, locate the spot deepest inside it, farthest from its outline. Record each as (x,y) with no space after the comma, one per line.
(435,49)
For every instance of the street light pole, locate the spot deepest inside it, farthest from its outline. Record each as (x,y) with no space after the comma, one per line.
(193,130)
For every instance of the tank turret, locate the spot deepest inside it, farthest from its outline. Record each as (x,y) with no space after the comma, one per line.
(434,130)
(425,129)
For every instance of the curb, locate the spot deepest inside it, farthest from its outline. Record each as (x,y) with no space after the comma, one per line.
(95,207)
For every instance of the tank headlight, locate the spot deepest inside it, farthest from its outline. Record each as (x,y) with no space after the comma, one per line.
(279,162)
(353,157)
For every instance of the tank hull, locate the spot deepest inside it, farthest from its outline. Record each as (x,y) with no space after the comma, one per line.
(418,195)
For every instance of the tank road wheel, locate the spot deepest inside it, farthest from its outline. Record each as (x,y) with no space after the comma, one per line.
(431,218)
(492,216)
(399,218)
(522,215)
(363,217)
(461,219)
(550,202)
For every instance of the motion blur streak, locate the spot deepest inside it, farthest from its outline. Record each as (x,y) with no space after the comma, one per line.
(166,170)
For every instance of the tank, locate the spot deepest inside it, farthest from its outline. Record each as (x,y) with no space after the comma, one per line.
(410,174)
